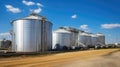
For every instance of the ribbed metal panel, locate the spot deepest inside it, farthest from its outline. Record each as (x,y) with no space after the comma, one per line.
(84,39)
(32,34)
(62,38)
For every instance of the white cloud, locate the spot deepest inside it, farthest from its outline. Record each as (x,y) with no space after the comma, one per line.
(85,28)
(5,35)
(110,26)
(39,4)
(28,3)
(2,34)
(12,9)
(74,16)
(37,10)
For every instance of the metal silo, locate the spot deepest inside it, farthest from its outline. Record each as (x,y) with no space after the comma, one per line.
(94,40)
(101,38)
(74,31)
(84,39)
(32,34)
(62,38)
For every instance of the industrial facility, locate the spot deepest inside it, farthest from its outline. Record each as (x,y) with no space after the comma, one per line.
(5,41)
(34,34)
(72,38)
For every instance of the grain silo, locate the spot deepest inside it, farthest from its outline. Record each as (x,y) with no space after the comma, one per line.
(62,39)
(98,40)
(84,39)
(75,32)
(101,38)
(94,40)
(32,34)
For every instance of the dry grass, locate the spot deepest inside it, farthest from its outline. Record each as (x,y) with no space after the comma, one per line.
(54,59)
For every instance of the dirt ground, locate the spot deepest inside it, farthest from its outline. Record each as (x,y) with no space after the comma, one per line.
(90,58)
(110,60)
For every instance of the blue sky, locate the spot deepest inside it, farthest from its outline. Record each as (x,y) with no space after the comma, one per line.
(89,15)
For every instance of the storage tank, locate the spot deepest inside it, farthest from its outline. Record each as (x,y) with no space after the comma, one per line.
(84,39)
(94,40)
(62,38)
(75,32)
(32,34)
(101,38)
